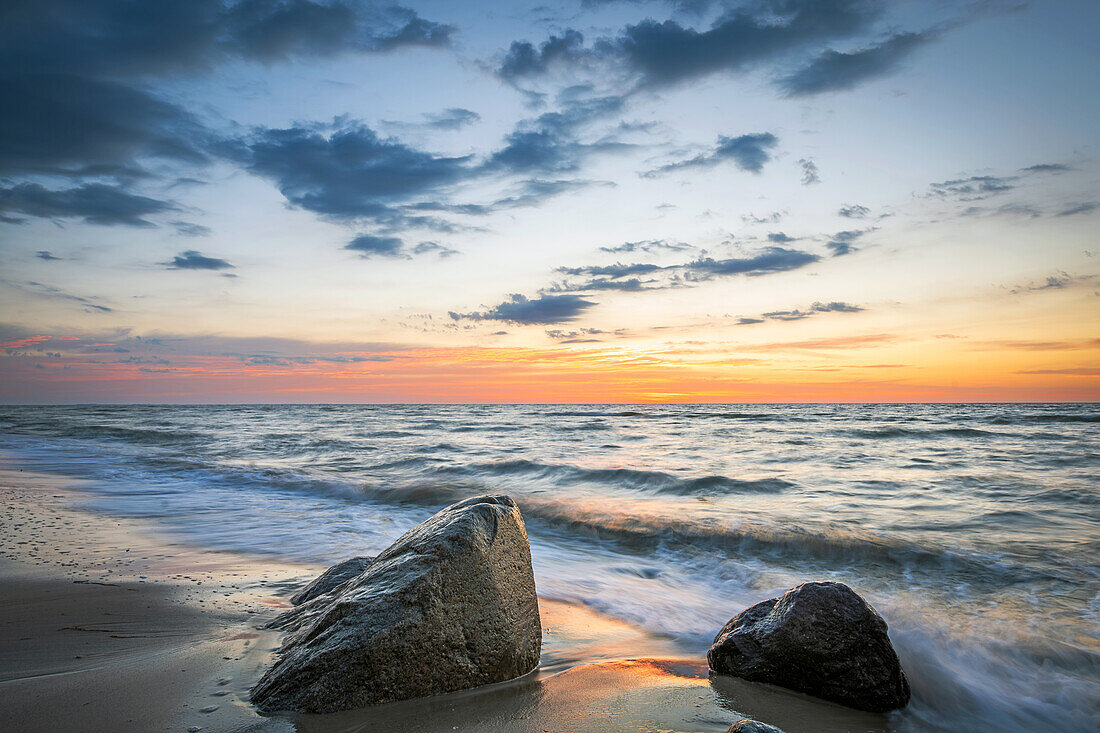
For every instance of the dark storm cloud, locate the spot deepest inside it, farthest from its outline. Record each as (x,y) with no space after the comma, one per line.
(1083,208)
(452,119)
(662,54)
(192,260)
(543,310)
(368,245)
(834,71)
(747,152)
(94,203)
(855,211)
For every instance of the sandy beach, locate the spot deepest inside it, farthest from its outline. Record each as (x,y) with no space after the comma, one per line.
(107,627)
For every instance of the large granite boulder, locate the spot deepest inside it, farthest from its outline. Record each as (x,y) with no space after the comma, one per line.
(328,581)
(819,638)
(450,605)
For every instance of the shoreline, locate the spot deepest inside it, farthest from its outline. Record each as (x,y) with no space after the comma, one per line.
(110,627)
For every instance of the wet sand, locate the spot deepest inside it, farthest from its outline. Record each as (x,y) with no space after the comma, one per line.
(105,626)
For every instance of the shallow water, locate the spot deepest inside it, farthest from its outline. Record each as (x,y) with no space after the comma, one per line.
(974,529)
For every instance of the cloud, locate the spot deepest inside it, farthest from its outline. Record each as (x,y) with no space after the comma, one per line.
(578,336)
(855,211)
(663,54)
(453,118)
(110,38)
(770,260)
(1073,372)
(45,254)
(827,344)
(192,260)
(345,170)
(50,291)
(974,188)
(631,285)
(549,142)
(189,229)
(841,242)
(1059,281)
(772,218)
(614,271)
(780,238)
(648,246)
(810,174)
(836,307)
(544,310)
(369,245)
(434,248)
(1047,168)
(85,73)
(525,59)
(798,315)
(747,152)
(834,71)
(1082,208)
(94,203)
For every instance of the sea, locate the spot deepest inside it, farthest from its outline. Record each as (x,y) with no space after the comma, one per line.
(974,529)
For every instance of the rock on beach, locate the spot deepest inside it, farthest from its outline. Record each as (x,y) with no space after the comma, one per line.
(329,580)
(822,639)
(450,605)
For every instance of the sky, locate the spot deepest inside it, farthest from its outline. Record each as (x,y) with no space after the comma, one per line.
(610,201)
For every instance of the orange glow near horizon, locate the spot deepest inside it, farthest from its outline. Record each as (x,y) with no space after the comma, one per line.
(783,372)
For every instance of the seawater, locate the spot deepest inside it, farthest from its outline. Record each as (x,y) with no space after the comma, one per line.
(974,529)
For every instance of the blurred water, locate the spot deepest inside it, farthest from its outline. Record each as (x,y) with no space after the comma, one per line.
(974,529)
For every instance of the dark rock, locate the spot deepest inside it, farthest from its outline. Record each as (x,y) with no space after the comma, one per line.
(450,605)
(327,581)
(748,725)
(819,638)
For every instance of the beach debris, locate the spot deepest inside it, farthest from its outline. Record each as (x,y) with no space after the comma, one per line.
(450,605)
(822,639)
(332,578)
(748,725)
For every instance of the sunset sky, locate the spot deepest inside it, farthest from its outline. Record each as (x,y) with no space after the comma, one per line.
(584,201)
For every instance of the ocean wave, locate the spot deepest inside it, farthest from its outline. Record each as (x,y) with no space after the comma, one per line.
(1042,417)
(919,433)
(625,478)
